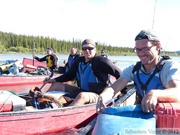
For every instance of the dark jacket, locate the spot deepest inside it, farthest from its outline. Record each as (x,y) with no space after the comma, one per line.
(102,68)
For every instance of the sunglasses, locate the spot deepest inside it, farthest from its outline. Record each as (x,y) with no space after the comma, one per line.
(87,48)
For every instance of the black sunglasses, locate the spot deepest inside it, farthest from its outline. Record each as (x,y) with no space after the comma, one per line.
(87,48)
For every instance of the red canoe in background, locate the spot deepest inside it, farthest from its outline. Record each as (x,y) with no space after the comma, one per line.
(22,84)
(31,65)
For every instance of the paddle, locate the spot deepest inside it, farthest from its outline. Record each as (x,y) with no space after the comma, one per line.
(51,75)
(91,125)
(38,90)
(34,50)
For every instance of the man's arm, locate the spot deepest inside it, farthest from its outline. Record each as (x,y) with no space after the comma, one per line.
(170,94)
(104,65)
(71,74)
(40,59)
(109,92)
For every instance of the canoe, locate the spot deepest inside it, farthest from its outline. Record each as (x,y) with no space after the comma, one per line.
(21,118)
(44,121)
(23,83)
(31,64)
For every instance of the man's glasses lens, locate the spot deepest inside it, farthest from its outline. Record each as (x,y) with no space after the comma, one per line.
(87,48)
(144,50)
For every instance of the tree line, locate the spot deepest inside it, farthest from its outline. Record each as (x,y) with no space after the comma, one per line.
(13,43)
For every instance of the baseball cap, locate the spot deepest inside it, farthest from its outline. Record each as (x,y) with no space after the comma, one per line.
(89,41)
(147,34)
(49,49)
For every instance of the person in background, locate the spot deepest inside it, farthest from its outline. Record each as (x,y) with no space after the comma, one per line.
(103,53)
(51,59)
(156,78)
(72,57)
(92,74)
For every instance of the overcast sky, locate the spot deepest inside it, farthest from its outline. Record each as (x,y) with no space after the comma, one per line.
(114,22)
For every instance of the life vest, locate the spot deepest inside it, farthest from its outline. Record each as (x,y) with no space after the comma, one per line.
(85,75)
(49,61)
(145,82)
(71,60)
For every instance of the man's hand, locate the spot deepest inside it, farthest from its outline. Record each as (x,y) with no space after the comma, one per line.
(149,102)
(34,92)
(100,105)
(33,55)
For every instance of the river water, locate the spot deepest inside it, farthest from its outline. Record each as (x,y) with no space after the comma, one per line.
(121,61)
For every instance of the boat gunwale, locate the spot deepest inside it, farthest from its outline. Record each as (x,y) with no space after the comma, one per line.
(24,112)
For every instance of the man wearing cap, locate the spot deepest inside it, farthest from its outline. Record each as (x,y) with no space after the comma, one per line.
(92,74)
(51,59)
(156,78)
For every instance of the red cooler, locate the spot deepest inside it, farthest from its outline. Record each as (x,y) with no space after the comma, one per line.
(168,115)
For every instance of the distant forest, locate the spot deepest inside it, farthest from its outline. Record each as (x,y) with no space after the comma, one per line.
(13,43)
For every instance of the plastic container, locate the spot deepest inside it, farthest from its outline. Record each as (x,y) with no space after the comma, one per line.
(18,102)
(126,120)
(168,115)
